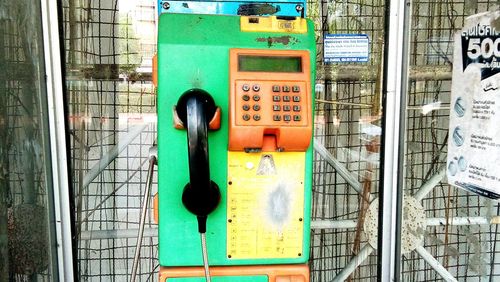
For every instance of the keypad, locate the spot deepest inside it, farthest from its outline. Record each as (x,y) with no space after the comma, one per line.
(271,103)
(289,103)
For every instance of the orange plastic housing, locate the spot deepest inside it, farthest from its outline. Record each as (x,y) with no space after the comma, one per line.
(155,70)
(275,273)
(276,104)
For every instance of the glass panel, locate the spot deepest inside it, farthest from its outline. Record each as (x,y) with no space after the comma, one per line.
(109,45)
(448,230)
(112,119)
(347,136)
(27,247)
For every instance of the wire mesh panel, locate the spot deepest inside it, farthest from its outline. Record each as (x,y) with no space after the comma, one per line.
(106,89)
(347,120)
(466,249)
(112,121)
(112,126)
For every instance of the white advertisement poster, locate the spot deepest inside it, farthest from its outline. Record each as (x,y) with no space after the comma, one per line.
(474,133)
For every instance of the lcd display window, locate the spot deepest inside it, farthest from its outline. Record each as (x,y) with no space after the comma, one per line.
(269,64)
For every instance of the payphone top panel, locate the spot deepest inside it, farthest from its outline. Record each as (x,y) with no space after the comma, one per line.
(193,52)
(294,8)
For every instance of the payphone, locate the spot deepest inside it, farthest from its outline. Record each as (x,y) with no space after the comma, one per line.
(235,120)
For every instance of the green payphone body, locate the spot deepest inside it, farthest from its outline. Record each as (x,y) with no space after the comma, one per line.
(235,121)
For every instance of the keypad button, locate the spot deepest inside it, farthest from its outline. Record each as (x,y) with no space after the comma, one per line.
(246,107)
(276,108)
(276,88)
(287,117)
(245,87)
(245,97)
(256,107)
(296,117)
(256,87)
(256,117)
(286,88)
(256,98)
(286,98)
(276,117)
(296,108)
(246,117)
(276,98)
(296,98)
(286,108)
(296,88)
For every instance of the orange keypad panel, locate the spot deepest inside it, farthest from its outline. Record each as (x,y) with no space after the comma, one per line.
(270,98)
(271,103)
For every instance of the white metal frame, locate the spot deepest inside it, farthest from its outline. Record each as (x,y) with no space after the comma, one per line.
(55,98)
(391,197)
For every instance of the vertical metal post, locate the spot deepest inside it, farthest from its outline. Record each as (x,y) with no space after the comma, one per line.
(144,213)
(4,242)
(391,191)
(55,99)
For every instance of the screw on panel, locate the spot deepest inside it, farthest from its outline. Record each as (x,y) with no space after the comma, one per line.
(165,5)
(299,8)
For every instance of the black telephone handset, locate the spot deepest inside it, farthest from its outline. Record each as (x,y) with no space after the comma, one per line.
(196,108)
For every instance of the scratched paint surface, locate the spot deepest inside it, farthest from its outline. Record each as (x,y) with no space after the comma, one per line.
(284,40)
(265,201)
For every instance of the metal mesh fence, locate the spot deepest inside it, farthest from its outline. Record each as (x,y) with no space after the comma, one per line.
(109,45)
(347,120)
(467,251)
(112,122)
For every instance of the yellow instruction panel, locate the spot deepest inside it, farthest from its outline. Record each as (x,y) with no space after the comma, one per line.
(265,205)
